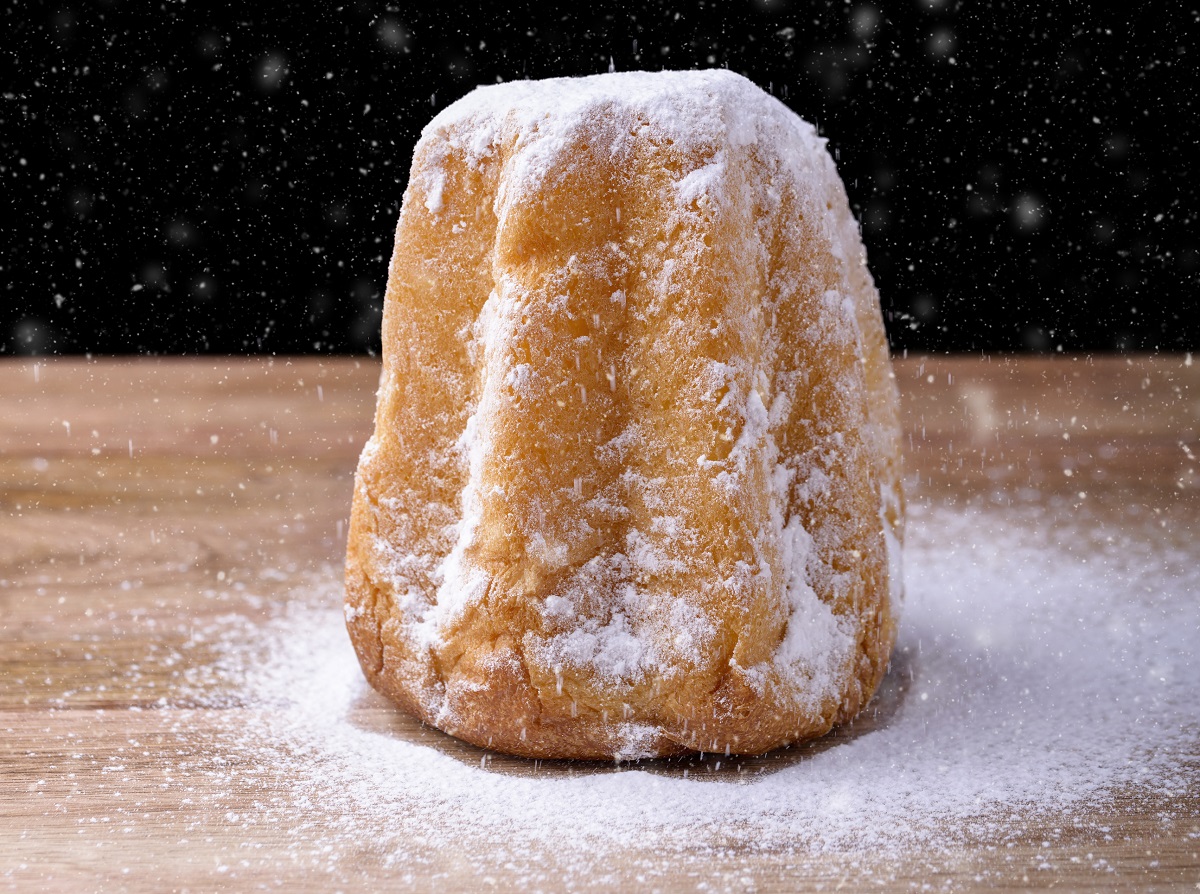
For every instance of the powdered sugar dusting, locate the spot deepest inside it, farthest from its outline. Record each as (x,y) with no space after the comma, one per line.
(1031,679)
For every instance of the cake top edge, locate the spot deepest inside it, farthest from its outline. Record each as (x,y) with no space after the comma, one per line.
(673,100)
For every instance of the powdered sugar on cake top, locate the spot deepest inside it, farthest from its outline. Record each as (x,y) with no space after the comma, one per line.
(697,109)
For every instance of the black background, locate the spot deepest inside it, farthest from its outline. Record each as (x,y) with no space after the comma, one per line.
(192,177)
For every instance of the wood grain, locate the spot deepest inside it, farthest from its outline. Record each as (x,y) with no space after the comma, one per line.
(149,505)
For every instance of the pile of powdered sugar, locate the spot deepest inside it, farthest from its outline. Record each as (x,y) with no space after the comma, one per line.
(1041,675)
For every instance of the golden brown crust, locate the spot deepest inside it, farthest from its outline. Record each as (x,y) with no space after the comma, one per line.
(636,448)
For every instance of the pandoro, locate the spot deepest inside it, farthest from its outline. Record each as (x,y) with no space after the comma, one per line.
(634,486)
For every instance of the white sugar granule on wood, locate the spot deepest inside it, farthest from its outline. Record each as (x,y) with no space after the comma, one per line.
(1045,667)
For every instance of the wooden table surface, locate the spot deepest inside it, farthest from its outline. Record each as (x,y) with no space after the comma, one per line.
(148,505)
